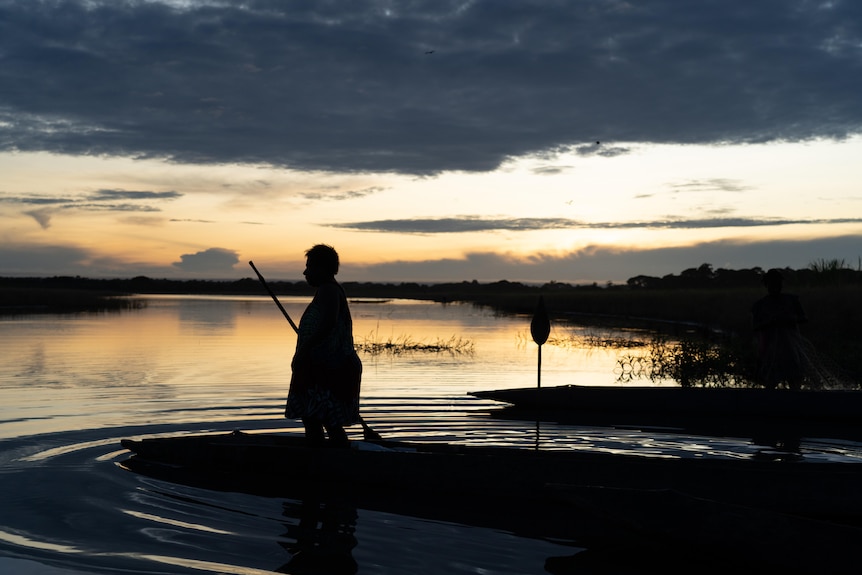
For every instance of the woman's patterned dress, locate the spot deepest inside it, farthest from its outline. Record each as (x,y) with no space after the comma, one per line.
(328,388)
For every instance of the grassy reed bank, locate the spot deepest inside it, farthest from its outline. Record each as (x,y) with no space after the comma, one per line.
(405,344)
(713,324)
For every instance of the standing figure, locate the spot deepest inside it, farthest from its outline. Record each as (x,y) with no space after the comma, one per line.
(324,385)
(776,318)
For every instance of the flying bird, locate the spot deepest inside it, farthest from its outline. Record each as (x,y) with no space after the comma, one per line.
(429,52)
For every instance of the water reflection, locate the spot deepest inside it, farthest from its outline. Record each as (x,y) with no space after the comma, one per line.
(32,363)
(208,315)
(187,341)
(142,367)
(72,386)
(321,534)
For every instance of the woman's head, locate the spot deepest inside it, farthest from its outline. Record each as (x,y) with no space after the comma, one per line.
(321,264)
(773,281)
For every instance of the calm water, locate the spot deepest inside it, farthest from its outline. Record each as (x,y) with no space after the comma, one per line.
(72,386)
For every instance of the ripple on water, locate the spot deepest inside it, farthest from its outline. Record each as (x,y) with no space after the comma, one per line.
(68,508)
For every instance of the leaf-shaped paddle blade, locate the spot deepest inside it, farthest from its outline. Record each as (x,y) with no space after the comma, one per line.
(540,327)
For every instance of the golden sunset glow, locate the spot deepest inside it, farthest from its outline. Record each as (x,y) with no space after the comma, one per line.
(426,163)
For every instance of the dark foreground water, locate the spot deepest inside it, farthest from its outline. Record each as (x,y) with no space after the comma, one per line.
(71,387)
(67,507)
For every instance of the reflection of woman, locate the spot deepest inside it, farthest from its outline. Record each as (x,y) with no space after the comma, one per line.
(325,535)
(323,526)
(776,318)
(324,387)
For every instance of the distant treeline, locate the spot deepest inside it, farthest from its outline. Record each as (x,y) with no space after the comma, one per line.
(719,299)
(821,272)
(831,272)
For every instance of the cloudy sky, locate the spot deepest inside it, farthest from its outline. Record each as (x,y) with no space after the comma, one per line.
(579,141)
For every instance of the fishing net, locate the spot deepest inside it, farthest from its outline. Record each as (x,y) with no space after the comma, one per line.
(698,363)
(786,357)
(820,371)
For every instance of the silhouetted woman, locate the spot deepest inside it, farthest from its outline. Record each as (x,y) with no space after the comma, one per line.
(324,386)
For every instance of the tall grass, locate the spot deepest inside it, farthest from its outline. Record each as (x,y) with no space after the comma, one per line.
(405,344)
(691,363)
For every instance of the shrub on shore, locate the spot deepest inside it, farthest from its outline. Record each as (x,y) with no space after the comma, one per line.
(35,300)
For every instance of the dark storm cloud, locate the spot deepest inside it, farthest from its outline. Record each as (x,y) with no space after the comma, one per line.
(199,221)
(208,261)
(34,200)
(95,207)
(423,86)
(132,195)
(710,185)
(53,259)
(347,195)
(467,224)
(602,264)
(595,263)
(599,150)
(42,216)
(19,259)
(463,224)
(98,201)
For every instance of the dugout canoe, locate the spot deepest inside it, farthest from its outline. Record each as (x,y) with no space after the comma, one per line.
(656,525)
(270,463)
(826,405)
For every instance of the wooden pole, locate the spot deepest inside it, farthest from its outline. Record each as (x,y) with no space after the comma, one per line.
(540,329)
(539,370)
(274,298)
